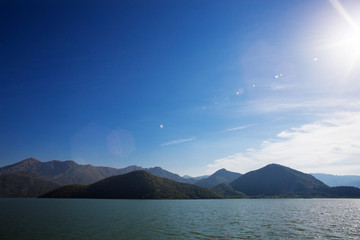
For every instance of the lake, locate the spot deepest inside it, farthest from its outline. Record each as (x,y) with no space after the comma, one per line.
(180,219)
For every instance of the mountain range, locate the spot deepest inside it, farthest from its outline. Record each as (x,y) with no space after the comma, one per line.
(134,185)
(69,172)
(32,177)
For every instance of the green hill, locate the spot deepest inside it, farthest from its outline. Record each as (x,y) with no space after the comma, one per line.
(134,185)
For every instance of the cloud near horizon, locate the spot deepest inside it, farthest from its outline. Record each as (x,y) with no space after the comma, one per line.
(330,145)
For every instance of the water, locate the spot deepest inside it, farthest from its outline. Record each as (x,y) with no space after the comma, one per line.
(180,219)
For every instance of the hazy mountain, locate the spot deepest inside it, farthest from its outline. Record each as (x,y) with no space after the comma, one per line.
(69,172)
(195,178)
(134,185)
(335,180)
(277,180)
(220,176)
(24,184)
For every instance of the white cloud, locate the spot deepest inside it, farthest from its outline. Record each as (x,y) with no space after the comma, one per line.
(330,145)
(177,141)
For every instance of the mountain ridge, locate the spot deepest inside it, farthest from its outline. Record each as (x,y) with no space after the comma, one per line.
(273,180)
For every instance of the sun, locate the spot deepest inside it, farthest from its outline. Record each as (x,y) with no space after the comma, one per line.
(340,44)
(343,39)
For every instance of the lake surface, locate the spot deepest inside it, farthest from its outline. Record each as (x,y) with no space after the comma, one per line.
(180,219)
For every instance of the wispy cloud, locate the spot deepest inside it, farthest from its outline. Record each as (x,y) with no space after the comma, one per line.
(177,141)
(330,145)
(237,128)
(269,105)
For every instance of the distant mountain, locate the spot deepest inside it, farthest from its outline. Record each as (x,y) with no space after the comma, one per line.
(24,184)
(195,178)
(62,172)
(220,176)
(335,180)
(69,172)
(134,185)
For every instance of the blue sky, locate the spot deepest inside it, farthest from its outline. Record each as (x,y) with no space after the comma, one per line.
(191,86)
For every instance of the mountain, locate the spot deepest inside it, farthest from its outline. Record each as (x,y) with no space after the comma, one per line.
(69,172)
(277,180)
(220,176)
(335,180)
(134,185)
(24,184)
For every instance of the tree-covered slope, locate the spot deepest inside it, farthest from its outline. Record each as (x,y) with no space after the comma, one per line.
(24,184)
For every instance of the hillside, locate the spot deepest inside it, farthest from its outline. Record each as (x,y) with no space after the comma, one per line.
(134,185)
(220,176)
(24,184)
(277,180)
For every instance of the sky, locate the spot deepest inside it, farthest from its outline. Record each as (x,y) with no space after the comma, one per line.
(190,86)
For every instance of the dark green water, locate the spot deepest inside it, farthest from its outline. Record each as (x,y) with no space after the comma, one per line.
(180,219)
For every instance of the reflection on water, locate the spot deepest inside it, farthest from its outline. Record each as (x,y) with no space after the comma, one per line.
(179,219)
